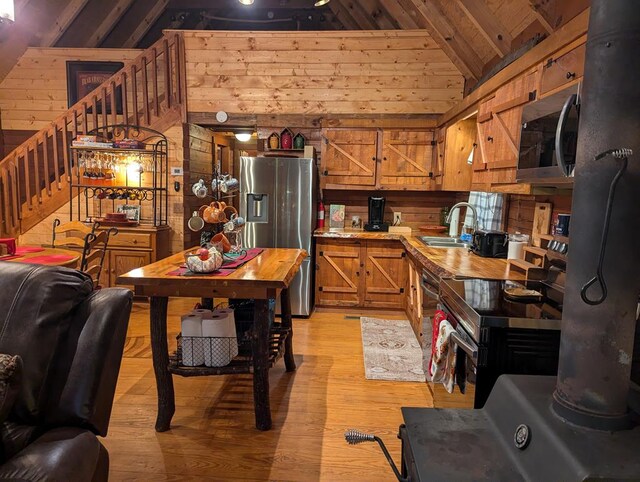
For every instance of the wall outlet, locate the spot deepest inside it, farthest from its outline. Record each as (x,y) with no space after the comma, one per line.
(176,171)
(397,218)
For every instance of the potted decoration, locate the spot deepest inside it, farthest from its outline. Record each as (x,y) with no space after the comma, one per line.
(298,141)
(274,141)
(286,139)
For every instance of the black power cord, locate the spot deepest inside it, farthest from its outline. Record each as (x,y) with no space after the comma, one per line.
(354,437)
(623,154)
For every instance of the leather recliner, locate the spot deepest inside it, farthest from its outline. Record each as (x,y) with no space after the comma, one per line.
(71,340)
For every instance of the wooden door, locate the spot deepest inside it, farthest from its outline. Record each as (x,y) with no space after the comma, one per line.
(121,261)
(485,139)
(386,274)
(461,139)
(563,69)
(349,157)
(105,274)
(439,158)
(407,160)
(338,266)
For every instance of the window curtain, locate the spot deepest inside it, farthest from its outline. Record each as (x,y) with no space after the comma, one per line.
(490,208)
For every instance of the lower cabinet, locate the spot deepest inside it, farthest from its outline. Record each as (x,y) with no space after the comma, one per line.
(133,248)
(360,273)
(413,300)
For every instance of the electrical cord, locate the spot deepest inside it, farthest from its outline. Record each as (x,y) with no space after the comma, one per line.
(623,154)
(354,437)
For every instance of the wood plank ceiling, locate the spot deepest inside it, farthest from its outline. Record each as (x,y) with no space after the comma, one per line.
(475,34)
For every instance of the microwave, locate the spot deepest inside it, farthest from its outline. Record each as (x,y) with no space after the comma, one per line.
(549,139)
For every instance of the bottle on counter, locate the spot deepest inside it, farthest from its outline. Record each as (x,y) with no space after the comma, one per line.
(444,213)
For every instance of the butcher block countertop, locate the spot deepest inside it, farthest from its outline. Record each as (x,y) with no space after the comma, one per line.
(444,262)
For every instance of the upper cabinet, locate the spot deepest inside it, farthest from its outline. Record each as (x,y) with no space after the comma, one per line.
(349,157)
(565,67)
(407,158)
(393,159)
(498,131)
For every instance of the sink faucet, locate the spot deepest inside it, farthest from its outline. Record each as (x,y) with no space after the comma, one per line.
(473,211)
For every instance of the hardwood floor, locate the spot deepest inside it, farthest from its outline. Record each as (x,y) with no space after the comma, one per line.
(213,436)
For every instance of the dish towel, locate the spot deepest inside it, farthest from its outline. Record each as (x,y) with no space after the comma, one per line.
(489,207)
(443,366)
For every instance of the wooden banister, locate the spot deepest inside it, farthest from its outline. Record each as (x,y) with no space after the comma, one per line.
(36,175)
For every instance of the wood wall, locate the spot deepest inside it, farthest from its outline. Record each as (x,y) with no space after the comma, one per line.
(198,163)
(520,211)
(34,92)
(355,72)
(417,208)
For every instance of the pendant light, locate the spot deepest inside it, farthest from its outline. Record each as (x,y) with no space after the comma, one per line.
(320,3)
(7,12)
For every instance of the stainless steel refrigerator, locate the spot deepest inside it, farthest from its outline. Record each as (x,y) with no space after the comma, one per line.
(278,201)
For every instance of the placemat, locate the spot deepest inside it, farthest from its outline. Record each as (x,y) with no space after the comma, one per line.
(28,249)
(228,265)
(50,258)
(183,271)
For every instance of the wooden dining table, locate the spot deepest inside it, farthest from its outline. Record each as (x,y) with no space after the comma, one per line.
(45,256)
(262,279)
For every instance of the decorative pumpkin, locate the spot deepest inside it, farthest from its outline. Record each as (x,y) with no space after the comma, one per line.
(197,265)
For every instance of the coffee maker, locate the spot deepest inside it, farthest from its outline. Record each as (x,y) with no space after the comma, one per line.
(376,215)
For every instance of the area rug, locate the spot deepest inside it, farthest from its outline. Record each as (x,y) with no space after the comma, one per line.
(391,351)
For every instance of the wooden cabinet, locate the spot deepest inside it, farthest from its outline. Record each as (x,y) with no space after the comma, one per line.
(407,158)
(338,273)
(133,248)
(394,159)
(360,273)
(562,69)
(349,157)
(498,131)
(460,143)
(439,157)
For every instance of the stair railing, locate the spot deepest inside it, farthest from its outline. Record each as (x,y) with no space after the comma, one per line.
(35,177)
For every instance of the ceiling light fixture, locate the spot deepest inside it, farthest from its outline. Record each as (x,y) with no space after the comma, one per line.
(320,3)
(246,2)
(7,11)
(243,136)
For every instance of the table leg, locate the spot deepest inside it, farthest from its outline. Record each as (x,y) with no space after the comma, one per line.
(164,382)
(285,306)
(206,303)
(260,351)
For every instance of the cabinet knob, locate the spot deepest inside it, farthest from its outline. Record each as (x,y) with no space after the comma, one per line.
(368,274)
(357,273)
(135,241)
(490,139)
(384,158)
(571,75)
(373,158)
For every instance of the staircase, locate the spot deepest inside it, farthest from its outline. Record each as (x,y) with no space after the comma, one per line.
(148,91)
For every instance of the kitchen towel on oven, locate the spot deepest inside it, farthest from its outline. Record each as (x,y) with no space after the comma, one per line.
(443,367)
(438,317)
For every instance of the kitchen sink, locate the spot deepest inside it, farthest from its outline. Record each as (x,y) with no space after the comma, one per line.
(442,242)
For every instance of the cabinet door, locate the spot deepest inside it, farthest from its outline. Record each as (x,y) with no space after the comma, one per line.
(461,139)
(386,273)
(566,68)
(338,273)
(121,261)
(105,274)
(407,158)
(439,158)
(349,157)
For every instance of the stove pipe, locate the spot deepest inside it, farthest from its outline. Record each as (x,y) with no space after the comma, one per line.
(597,341)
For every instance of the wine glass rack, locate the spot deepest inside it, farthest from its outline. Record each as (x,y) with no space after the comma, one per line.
(119,163)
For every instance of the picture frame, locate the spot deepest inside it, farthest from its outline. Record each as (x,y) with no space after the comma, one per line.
(84,77)
(132,211)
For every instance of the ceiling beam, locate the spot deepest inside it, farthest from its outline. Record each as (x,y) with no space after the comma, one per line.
(145,24)
(259,4)
(399,14)
(379,15)
(118,9)
(344,16)
(68,15)
(447,37)
(541,10)
(487,23)
(359,15)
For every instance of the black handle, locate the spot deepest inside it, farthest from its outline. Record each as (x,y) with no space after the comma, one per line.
(571,75)
(373,158)
(490,139)
(325,172)
(562,122)
(384,158)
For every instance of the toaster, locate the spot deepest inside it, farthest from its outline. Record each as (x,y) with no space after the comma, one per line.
(490,244)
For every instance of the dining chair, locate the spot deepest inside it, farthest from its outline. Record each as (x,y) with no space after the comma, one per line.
(93,253)
(75,233)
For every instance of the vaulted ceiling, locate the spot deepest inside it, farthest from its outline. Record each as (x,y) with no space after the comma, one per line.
(475,34)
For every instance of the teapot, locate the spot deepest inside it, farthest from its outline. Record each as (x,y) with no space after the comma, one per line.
(214,212)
